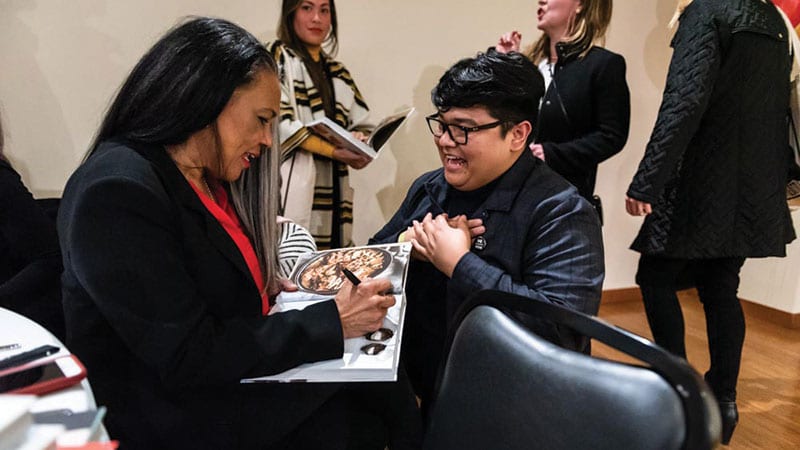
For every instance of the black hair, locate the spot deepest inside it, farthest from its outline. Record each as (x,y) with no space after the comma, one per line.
(180,86)
(508,85)
(183,82)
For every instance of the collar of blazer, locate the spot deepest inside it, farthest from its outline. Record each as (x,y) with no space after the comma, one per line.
(179,189)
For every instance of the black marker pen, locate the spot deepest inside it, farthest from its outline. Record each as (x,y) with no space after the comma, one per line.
(351,276)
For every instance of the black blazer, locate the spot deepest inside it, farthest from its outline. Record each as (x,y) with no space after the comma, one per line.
(161,308)
(542,241)
(30,260)
(585,115)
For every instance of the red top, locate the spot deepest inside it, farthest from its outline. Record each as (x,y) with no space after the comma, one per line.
(226,215)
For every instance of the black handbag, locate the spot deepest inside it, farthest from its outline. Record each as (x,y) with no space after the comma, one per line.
(598,206)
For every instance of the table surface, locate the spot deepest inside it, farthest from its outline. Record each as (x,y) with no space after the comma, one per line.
(18,329)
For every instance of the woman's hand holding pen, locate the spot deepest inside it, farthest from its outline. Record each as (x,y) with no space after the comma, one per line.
(363,307)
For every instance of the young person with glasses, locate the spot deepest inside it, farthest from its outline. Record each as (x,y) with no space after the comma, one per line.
(493,216)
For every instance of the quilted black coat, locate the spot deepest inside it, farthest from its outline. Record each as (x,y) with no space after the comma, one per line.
(715,167)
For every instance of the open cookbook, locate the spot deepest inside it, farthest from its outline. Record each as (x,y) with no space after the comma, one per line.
(373,357)
(340,137)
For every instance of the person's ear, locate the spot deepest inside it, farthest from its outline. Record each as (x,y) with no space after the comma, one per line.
(519,135)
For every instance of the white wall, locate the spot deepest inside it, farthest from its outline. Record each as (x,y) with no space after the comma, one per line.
(62,60)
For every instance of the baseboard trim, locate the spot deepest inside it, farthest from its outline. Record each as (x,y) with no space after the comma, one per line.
(772,315)
(751,308)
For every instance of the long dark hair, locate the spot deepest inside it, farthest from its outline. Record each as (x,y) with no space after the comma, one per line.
(179,87)
(287,35)
(183,82)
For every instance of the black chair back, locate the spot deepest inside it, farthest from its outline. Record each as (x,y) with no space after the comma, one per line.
(504,387)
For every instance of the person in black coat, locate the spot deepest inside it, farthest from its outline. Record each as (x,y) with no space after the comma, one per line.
(585,112)
(712,179)
(492,217)
(30,267)
(169,236)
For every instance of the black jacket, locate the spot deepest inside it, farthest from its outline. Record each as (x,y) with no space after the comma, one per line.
(30,260)
(593,124)
(715,167)
(542,241)
(161,308)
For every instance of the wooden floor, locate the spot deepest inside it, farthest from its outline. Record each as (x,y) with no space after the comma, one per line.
(769,380)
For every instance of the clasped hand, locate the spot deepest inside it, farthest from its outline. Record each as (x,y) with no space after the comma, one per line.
(443,240)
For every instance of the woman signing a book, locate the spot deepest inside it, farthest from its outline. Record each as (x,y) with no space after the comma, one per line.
(316,192)
(168,230)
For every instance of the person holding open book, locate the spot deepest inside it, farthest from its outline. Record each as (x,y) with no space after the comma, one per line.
(169,233)
(493,216)
(316,192)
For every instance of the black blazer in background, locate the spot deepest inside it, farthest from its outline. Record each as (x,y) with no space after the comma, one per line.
(30,260)
(161,308)
(593,124)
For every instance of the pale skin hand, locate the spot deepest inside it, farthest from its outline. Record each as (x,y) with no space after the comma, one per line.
(284,285)
(509,42)
(476,229)
(363,307)
(637,207)
(538,151)
(351,158)
(441,243)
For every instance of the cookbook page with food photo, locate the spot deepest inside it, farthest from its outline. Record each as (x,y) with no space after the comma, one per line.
(319,276)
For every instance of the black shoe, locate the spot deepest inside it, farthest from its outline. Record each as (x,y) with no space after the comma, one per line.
(730,417)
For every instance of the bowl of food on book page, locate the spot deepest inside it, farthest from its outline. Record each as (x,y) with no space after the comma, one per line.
(323,274)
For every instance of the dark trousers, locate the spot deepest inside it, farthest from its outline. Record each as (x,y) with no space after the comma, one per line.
(717,282)
(384,415)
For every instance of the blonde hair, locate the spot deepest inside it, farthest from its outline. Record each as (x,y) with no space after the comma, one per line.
(588,27)
(682,4)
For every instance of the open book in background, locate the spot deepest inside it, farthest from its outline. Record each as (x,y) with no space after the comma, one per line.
(338,136)
(319,277)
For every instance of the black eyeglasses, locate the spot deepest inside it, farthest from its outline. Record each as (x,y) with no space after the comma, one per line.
(457,133)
